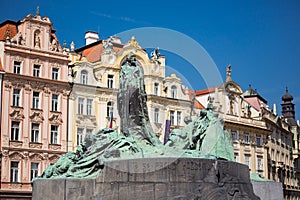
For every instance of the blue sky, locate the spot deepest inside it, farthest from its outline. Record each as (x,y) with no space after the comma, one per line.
(260,39)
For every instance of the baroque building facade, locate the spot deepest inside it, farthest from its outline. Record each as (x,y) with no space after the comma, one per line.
(93,101)
(34,97)
(263,140)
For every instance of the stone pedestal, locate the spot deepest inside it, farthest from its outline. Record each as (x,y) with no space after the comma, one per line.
(268,190)
(155,178)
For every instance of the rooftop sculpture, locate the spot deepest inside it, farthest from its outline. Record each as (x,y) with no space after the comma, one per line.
(202,138)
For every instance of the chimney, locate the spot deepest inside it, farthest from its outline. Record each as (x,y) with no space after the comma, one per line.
(91,37)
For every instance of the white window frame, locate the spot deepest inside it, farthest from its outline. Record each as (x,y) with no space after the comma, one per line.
(178,118)
(15,131)
(36,100)
(34,171)
(109,109)
(79,135)
(172,117)
(174,92)
(234,135)
(16,97)
(36,70)
(54,134)
(54,102)
(247,138)
(84,77)
(80,106)
(89,106)
(55,73)
(248,160)
(17,67)
(14,171)
(258,140)
(35,132)
(110,81)
(260,164)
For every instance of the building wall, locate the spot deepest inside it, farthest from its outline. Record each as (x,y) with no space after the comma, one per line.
(34,100)
(160,94)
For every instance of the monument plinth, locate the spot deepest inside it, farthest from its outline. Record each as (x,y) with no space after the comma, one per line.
(155,178)
(196,162)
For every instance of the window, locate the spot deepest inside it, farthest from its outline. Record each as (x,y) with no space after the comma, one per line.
(15,130)
(109,109)
(35,131)
(156,114)
(36,100)
(54,106)
(178,118)
(55,73)
(16,97)
(258,140)
(36,70)
(236,157)
(34,171)
(110,81)
(89,104)
(156,88)
(247,138)
(172,117)
(89,131)
(84,77)
(17,67)
(234,136)
(247,160)
(80,105)
(174,92)
(14,171)
(54,134)
(79,135)
(259,163)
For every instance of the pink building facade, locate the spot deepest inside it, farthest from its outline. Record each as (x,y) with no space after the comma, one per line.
(34,98)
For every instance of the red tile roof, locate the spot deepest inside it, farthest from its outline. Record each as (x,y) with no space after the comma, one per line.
(198,105)
(7,26)
(93,53)
(205,91)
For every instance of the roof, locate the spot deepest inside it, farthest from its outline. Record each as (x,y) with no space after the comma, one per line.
(93,51)
(6,26)
(205,91)
(192,95)
(253,93)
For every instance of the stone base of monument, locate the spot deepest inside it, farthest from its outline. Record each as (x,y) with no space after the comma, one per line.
(268,190)
(155,178)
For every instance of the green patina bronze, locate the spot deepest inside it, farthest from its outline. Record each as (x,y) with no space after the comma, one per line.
(202,138)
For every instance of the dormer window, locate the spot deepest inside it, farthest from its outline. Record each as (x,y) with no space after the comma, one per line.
(174,92)
(84,77)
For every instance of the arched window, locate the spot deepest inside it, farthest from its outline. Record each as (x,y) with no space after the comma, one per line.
(174,92)
(84,77)
(109,109)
